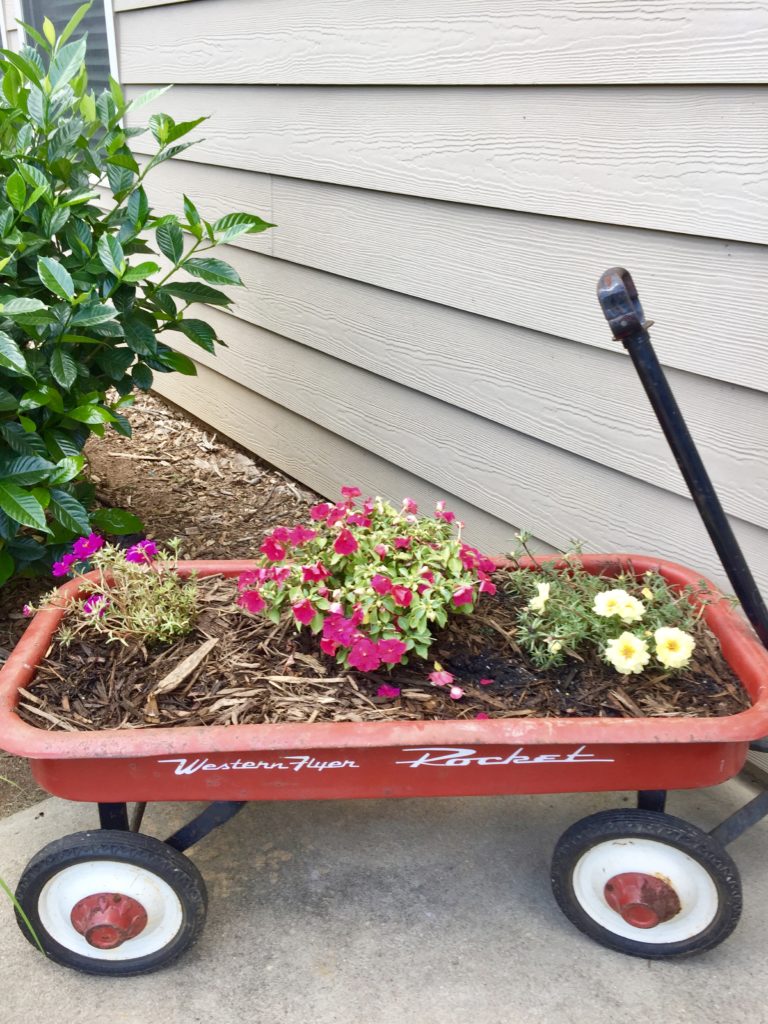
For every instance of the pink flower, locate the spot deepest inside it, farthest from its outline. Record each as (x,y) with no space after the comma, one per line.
(381,550)
(486,682)
(95,604)
(273,550)
(141,553)
(345,543)
(279,573)
(428,575)
(323,591)
(410,506)
(300,535)
(321,511)
(26,611)
(470,557)
(63,566)
(440,678)
(357,519)
(487,587)
(390,692)
(252,601)
(381,584)
(463,594)
(337,513)
(447,517)
(402,595)
(339,630)
(303,611)
(84,547)
(363,656)
(403,542)
(391,651)
(247,579)
(351,492)
(456,693)
(281,534)
(314,573)
(487,564)
(358,614)
(368,506)
(328,646)
(482,715)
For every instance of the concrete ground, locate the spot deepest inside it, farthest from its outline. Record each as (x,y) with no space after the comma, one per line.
(393,912)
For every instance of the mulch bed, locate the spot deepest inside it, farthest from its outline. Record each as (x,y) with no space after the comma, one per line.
(255,672)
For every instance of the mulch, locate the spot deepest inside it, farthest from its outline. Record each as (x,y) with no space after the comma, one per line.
(244,670)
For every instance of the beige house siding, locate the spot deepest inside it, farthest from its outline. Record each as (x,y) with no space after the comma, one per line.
(449,181)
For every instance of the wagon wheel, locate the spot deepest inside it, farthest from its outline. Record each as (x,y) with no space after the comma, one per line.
(114,903)
(646,884)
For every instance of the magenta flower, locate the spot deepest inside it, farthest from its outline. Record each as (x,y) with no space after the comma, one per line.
(391,651)
(487,587)
(410,506)
(314,573)
(351,492)
(363,656)
(84,547)
(96,604)
(440,678)
(463,594)
(63,566)
(281,534)
(328,646)
(447,517)
(456,693)
(339,630)
(321,511)
(381,584)
(252,601)
(470,557)
(26,611)
(486,682)
(345,543)
(323,591)
(368,506)
(142,553)
(358,519)
(482,715)
(403,542)
(279,573)
(300,535)
(304,611)
(336,515)
(358,614)
(486,564)
(390,692)
(273,550)
(248,579)
(381,550)
(402,595)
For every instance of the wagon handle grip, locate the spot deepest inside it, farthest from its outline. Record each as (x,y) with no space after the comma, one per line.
(620,302)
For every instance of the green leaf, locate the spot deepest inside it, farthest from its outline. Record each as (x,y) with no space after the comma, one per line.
(142,377)
(67,469)
(7,566)
(167,154)
(16,190)
(62,443)
(145,98)
(170,241)
(116,521)
(120,179)
(48,30)
(139,336)
(111,254)
(183,128)
(233,224)
(13,306)
(66,64)
(88,107)
(27,68)
(63,368)
(35,177)
(94,313)
(69,512)
(122,425)
(11,355)
(116,361)
(140,272)
(19,440)
(91,414)
(137,209)
(74,21)
(177,361)
(7,401)
(42,396)
(25,470)
(190,212)
(199,332)
(193,291)
(160,125)
(211,270)
(22,506)
(56,278)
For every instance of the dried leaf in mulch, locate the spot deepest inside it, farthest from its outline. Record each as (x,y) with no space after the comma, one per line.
(239,670)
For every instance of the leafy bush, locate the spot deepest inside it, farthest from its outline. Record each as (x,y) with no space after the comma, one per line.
(84,306)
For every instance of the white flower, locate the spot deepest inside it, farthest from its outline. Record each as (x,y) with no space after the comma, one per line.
(674,647)
(627,653)
(618,602)
(631,609)
(536,604)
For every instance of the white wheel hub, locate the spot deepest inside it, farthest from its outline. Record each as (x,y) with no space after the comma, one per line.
(61,893)
(690,881)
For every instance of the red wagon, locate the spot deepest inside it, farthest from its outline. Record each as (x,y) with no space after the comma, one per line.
(114,901)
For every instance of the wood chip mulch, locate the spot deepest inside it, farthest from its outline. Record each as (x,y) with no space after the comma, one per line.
(236,670)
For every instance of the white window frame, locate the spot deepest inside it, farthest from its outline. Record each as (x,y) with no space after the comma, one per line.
(109,18)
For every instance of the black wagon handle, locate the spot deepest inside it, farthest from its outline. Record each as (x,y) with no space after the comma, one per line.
(621,306)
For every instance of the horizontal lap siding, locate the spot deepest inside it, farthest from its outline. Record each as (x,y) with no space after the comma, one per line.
(423,318)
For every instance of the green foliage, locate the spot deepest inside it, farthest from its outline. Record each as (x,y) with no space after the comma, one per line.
(88,289)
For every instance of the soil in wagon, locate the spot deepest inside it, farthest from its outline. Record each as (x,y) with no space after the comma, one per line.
(253,671)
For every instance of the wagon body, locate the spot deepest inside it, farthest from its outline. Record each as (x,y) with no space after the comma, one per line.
(399,759)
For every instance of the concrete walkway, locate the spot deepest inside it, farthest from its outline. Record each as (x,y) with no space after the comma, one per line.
(396,912)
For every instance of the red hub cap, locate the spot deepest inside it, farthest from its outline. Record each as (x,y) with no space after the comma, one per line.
(107,919)
(642,900)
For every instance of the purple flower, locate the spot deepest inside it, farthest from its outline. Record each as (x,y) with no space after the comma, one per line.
(96,604)
(143,552)
(63,566)
(27,611)
(84,547)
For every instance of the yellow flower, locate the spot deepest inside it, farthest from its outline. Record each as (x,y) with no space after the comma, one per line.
(674,647)
(536,604)
(627,653)
(647,593)
(631,609)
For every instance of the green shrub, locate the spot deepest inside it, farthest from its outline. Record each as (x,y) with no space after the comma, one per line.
(86,311)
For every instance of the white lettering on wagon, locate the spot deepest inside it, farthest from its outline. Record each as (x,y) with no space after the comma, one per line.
(190,766)
(461,757)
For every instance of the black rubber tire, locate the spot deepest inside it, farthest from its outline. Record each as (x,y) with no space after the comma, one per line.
(146,852)
(663,828)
